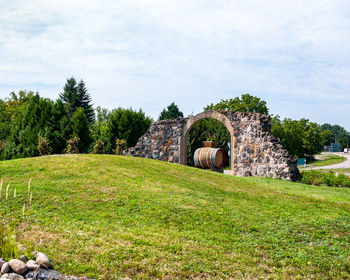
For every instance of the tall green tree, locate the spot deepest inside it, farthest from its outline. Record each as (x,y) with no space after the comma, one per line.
(80,128)
(245,103)
(24,138)
(75,95)
(124,124)
(339,134)
(301,138)
(60,128)
(12,110)
(171,112)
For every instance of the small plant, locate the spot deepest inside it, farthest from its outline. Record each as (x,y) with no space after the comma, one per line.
(99,147)
(120,146)
(44,146)
(209,137)
(8,244)
(72,145)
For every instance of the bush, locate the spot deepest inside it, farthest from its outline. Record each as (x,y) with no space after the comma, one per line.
(330,179)
(72,145)
(44,146)
(120,145)
(99,147)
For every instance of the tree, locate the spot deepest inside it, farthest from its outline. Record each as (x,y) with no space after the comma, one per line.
(339,134)
(246,103)
(327,137)
(124,124)
(24,136)
(84,101)
(301,138)
(171,112)
(76,96)
(80,128)
(60,128)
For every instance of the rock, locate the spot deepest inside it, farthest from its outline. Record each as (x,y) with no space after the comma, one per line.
(32,265)
(44,274)
(2,261)
(12,276)
(5,268)
(23,258)
(18,266)
(43,261)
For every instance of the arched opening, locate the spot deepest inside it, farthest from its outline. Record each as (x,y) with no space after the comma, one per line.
(188,125)
(208,130)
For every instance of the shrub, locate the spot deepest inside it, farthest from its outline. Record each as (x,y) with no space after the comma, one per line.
(312,178)
(120,146)
(99,147)
(343,180)
(72,145)
(329,178)
(44,146)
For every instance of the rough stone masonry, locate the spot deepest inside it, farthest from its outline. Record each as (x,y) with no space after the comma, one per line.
(254,150)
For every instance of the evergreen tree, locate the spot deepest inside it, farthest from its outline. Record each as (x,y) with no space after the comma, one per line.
(80,128)
(84,101)
(124,124)
(171,112)
(60,128)
(76,96)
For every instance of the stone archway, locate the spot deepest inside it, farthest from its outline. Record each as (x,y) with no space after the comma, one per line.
(254,150)
(190,122)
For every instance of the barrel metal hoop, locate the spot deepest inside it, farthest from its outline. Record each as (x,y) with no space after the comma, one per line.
(195,159)
(214,159)
(206,157)
(199,158)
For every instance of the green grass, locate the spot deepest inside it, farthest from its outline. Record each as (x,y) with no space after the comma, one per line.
(326,159)
(112,217)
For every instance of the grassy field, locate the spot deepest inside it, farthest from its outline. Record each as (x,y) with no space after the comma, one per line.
(113,217)
(326,159)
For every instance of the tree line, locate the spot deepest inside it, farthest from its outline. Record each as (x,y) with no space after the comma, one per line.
(31,125)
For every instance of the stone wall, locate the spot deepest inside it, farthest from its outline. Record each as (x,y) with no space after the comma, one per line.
(255,151)
(161,141)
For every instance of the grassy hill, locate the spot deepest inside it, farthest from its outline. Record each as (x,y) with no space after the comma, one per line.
(107,217)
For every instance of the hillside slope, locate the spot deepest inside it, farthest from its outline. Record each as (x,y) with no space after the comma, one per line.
(107,216)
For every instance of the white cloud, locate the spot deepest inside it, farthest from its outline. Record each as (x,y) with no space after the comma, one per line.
(148,53)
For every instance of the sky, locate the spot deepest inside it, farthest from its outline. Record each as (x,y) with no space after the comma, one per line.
(145,54)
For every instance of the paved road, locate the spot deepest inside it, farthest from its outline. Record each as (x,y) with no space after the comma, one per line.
(344,164)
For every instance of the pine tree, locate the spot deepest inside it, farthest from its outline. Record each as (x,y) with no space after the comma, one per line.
(84,101)
(80,127)
(171,112)
(75,96)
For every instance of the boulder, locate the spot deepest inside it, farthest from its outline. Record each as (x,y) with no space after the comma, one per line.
(11,276)
(2,261)
(18,266)
(5,268)
(32,265)
(43,261)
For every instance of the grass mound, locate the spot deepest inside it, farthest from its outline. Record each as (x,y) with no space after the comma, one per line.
(108,217)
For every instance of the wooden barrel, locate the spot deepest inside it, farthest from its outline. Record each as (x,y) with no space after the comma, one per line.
(209,158)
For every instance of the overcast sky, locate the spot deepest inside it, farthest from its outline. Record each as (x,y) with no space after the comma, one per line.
(149,53)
